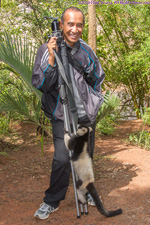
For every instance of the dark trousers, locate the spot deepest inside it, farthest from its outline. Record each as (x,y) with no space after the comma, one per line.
(61,169)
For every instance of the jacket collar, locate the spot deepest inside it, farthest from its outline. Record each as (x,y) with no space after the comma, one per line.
(75,48)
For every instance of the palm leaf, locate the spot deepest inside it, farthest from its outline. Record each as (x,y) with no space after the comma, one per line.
(19,55)
(23,105)
(17,104)
(111,102)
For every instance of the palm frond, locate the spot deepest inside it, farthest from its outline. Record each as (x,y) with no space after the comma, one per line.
(23,105)
(7,67)
(19,104)
(19,55)
(111,101)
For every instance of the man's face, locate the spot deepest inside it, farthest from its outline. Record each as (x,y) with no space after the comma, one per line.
(72,26)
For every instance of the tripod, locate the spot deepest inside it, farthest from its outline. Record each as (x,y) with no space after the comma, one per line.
(66,96)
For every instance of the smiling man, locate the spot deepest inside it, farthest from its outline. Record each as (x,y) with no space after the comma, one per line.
(72,24)
(86,94)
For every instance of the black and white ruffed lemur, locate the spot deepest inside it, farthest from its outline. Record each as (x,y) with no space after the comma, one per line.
(82,163)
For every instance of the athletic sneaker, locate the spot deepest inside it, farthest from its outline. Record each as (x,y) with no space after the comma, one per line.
(90,200)
(44,211)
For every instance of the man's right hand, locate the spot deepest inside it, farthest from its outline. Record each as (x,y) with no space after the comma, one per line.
(52,44)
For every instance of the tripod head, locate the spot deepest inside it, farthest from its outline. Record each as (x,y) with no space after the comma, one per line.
(55,25)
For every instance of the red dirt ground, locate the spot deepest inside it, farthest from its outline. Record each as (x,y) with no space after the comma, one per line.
(122,173)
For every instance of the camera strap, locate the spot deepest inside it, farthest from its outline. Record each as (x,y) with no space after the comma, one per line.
(75,63)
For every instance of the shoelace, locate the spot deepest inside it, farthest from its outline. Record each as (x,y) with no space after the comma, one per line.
(44,206)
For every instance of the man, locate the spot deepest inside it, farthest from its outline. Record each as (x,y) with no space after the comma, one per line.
(87,96)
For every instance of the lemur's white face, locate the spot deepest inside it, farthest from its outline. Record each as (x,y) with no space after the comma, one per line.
(83,130)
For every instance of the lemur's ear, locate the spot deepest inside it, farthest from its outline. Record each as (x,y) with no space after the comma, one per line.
(90,129)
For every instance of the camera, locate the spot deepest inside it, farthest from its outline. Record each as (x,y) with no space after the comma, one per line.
(55,25)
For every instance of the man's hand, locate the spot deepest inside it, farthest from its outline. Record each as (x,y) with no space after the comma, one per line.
(52,44)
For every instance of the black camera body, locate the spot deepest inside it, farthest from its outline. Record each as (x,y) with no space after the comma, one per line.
(56,32)
(55,25)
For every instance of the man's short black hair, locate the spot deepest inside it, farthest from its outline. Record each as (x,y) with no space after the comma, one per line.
(72,8)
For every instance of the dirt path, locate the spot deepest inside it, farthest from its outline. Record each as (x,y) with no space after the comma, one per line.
(122,175)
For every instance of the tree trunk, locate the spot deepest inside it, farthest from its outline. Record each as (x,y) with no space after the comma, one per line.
(92,26)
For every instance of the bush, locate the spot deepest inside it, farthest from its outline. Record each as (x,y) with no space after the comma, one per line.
(108,113)
(4,125)
(146,116)
(106,125)
(141,138)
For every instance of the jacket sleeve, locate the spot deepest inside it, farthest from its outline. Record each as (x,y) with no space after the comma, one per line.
(94,73)
(44,76)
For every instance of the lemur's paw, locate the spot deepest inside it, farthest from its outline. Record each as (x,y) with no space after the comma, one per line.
(66,139)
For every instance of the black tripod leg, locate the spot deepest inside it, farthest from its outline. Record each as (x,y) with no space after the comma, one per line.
(75,190)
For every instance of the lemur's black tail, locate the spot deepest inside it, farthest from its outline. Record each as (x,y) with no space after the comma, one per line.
(99,204)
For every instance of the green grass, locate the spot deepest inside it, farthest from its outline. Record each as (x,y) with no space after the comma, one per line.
(140,138)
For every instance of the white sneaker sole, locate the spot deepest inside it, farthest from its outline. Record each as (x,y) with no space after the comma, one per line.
(37,216)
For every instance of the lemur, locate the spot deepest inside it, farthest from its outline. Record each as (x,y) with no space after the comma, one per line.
(82,163)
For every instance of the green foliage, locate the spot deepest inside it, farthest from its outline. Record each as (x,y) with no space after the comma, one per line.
(105,119)
(17,94)
(124,48)
(4,124)
(19,56)
(146,116)
(19,103)
(106,125)
(141,138)
(3,154)
(111,102)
